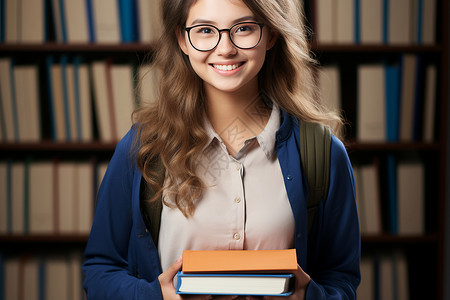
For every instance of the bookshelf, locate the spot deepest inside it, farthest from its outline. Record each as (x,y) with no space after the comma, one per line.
(424,252)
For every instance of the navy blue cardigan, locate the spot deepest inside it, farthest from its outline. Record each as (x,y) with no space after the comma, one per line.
(122,262)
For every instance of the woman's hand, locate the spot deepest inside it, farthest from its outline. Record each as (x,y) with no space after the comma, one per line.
(168,290)
(301,283)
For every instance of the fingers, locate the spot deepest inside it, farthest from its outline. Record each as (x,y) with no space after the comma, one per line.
(170,273)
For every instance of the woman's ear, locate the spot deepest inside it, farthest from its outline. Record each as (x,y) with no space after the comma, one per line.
(181,37)
(273,36)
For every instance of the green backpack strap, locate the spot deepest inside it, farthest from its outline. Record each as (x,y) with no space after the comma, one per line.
(315,141)
(151,210)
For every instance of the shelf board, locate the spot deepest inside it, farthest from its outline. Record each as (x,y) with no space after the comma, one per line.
(391,146)
(50,146)
(353,48)
(397,239)
(88,48)
(44,238)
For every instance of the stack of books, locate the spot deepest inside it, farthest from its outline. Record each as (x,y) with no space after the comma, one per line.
(238,272)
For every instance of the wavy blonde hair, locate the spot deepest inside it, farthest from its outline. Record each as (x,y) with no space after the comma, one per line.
(171,129)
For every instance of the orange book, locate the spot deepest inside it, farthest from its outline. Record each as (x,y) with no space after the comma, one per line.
(248,261)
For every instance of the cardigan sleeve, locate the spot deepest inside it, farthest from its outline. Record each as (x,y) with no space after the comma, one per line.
(108,269)
(334,245)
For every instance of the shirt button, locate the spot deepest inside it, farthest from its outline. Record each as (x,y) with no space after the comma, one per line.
(236,236)
(238,167)
(237,200)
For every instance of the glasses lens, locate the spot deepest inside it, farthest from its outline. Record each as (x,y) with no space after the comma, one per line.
(204,37)
(245,35)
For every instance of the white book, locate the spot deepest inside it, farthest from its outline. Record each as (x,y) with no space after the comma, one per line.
(71,101)
(371,110)
(85,102)
(430,103)
(32,26)
(371,21)
(106,21)
(85,193)
(359,202)
(408,86)
(330,87)
(12,278)
(366,289)
(147,87)
(101,99)
(30,278)
(12,21)
(386,277)
(149,20)
(410,188)
(369,189)
(400,26)
(75,276)
(429,22)
(58,102)
(56,281)
(4,216)
(8,101)
(67,202)
(345,22)
(324,21)
(401,275)
(123,96)
(77,29)
(41,198)
(28,104)
(18,198)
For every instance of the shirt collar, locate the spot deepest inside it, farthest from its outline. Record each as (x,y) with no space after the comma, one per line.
(266,139)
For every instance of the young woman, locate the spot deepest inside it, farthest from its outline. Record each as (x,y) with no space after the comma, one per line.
(236,76)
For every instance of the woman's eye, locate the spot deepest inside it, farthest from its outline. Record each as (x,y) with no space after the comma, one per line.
(205,30)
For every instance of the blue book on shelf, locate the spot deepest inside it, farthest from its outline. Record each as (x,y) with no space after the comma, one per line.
(234,284)
(128,20)
(419,17)
(90,17)
(392,98)
(63,21)
(385,21)
(2,21)
(64,62)
(357,16)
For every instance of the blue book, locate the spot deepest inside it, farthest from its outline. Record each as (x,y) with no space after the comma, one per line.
(392,98)
(392,194)
(64,62)
(76,76)
(385,21)
(357,16)
(63,21)
(235,284)
(2,21)
(128,20)
(91,23)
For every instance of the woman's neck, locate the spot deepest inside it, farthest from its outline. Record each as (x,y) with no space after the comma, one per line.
(237,116)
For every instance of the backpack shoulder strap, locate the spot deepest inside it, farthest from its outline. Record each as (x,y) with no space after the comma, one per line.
(151,210)
(315,142)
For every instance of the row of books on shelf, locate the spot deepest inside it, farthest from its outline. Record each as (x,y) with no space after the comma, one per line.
(384,276)
(401,211)
(392,22)
(48,197)
(75,94)
(39,276)
(87,21)
(396,101)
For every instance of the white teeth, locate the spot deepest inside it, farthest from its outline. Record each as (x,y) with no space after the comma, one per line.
(226,67)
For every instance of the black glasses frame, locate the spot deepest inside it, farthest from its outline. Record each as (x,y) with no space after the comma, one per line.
(188,30)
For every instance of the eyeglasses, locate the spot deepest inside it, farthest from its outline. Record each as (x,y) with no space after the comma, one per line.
(244,35)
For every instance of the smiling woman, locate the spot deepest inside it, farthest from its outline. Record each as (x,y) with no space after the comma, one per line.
(215,162)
